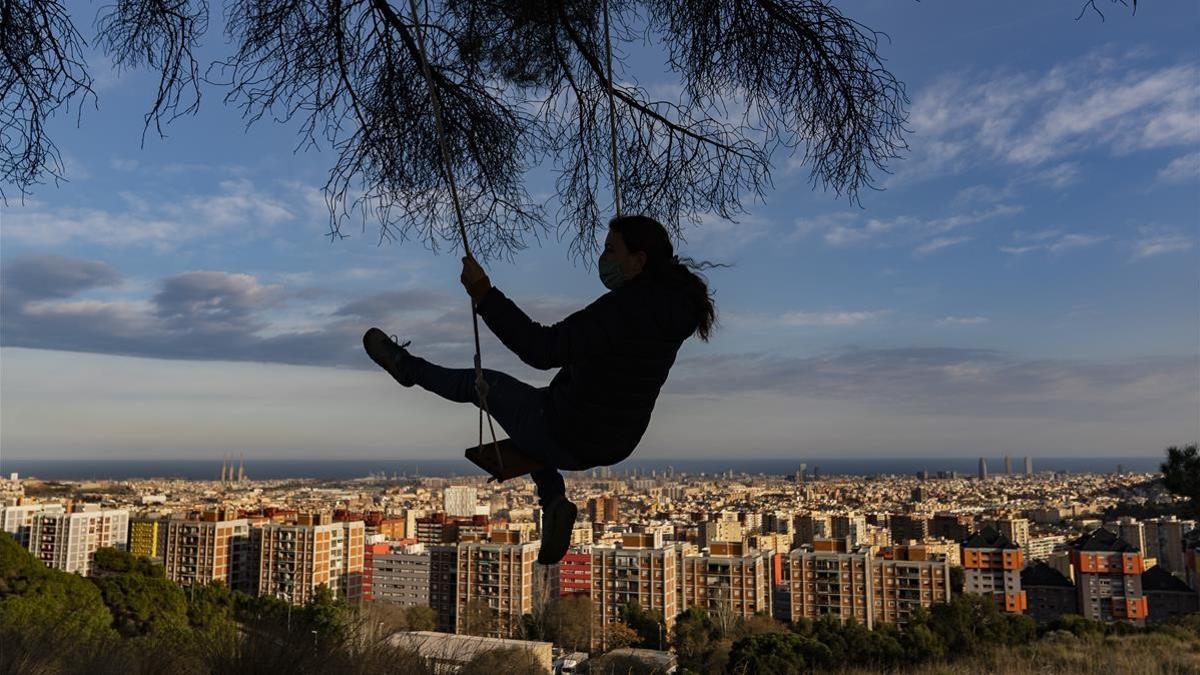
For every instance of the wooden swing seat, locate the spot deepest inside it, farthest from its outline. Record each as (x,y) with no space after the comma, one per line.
(515,464)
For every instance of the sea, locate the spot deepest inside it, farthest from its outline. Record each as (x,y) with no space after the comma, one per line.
(347,469)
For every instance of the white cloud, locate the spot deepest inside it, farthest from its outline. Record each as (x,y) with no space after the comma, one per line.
(1053,241)
(938,243)
(963,320)
(1157,241)
(1181,169)
(1033,118)
(162,223)
(801,319)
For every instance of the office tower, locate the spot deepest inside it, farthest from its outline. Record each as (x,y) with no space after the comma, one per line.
(1120,469)
(800,473)
(148,537)
(730,580)
(1007,465)
(1108,578)
(573,574)
(68,541)
(498,572)
(398,575)
(638,569)
(992,565)
(816,474)
(1048,594)
(294,559)
(1016,529)
(459,501)
(603,509)
(204,551)
(18,519)
(983,474)
(1028,466)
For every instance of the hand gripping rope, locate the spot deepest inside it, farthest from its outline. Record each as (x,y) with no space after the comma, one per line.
(481,385)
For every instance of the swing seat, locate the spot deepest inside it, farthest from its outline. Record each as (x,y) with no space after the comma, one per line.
(515,464)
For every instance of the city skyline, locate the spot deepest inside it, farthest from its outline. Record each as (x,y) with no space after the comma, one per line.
(1027,280)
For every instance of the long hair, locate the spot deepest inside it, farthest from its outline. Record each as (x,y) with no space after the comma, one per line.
(645,234)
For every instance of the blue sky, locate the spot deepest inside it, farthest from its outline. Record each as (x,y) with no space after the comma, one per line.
(1025,283)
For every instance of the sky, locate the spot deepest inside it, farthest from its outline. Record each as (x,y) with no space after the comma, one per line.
(1026,281)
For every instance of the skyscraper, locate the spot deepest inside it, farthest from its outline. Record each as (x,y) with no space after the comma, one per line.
(983,469)
(1028,465)
(1007,465)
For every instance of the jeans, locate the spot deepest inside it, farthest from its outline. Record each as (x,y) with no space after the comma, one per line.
(517,406)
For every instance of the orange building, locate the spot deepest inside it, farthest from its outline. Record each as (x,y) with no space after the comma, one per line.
(1108,577)
(993,564)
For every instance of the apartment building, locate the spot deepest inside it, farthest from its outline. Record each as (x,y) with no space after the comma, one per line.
(904,578)
(603,509)
(499,572)
(1108,577)
(992,565)
(573,575)
(148,537)
(294,559)
(637,569)
(397,574)
(17,520)
(68,541)
(199,551)
(1016,529)
(728,579)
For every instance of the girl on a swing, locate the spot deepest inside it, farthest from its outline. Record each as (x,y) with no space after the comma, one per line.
(613,358)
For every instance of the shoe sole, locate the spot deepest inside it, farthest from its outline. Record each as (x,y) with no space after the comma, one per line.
(541,558)
(381,355)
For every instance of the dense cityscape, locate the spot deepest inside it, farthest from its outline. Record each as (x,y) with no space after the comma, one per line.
(803,547)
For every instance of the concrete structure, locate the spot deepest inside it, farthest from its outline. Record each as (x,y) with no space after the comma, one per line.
(573,574)
(983,470)
(1167,596)
(1016,529)
(1044,546)
(604,509)
(68,541)
(445,653)
(830,578)
(1028,466)
(148,537)
(993,566)
(398,575)
(498,572)
(1108,578)
(729,579)
(638,569)
(1164,542)
(460,500)
(18,519)
(203,551)
(909,527)
(294,559)
(1048,593)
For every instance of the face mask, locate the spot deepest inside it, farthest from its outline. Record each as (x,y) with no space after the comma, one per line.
(610,274)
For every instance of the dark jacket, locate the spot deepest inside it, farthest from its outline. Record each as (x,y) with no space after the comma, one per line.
(614,357)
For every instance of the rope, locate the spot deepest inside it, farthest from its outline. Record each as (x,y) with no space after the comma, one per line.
(481,385)
(612,115)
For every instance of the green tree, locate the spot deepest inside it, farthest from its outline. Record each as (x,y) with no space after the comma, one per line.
(568,622)
(32,594)
(479,618)
(420,617)
(649,625)
(1181,474)
(138,594)
(693,637)
(782,653)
